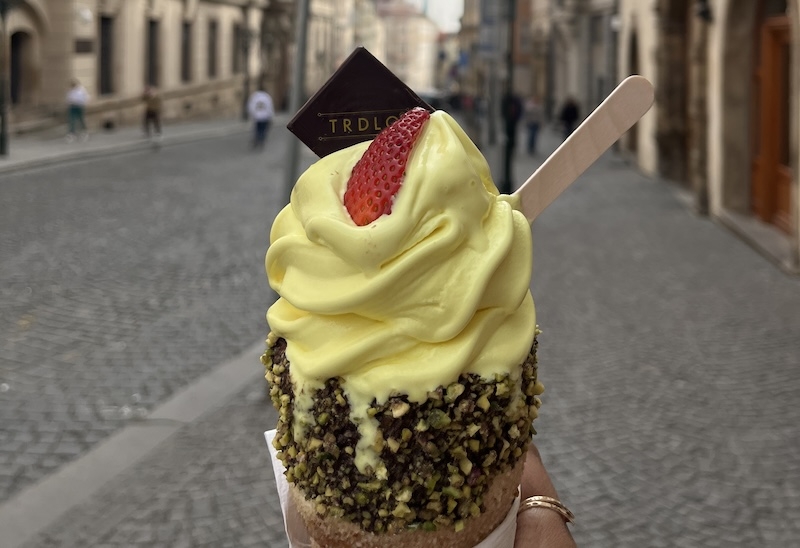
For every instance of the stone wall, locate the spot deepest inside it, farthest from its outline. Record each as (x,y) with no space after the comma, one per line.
(67,44)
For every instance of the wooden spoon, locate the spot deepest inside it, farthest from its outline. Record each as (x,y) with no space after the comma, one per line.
(613,117)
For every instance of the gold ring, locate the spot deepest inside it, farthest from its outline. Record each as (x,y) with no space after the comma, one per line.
(547,502)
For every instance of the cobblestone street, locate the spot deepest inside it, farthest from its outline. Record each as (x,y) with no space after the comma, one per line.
(669,352)
(124,278)
(209,485)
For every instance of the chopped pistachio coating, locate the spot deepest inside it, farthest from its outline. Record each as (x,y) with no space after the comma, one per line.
(439,455)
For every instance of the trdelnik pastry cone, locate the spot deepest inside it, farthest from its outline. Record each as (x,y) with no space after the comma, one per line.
(401,356)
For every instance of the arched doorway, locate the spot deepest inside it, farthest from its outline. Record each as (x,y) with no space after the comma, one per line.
(771,174)
(22,70)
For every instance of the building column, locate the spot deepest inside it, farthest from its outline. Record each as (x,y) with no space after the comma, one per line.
(57,56)
(671,93)
(698,115)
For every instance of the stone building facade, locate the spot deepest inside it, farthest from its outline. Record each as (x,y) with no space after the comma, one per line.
(411,44)
(576,42)
(472,72)
(725,121)
(724,125)
(335,28)
(202,55)
(277,47)
(561,49)
(394,31)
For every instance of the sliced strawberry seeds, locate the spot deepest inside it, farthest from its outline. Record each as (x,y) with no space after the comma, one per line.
(378,175)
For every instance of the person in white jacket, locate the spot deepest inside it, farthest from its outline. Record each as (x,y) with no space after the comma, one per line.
(77,97)
(261,111)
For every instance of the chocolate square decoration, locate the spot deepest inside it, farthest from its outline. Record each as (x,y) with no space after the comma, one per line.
(361,98)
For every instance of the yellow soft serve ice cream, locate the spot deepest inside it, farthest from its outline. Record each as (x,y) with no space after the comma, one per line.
(402,352)
(437,288)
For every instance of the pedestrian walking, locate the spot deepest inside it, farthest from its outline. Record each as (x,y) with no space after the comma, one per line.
(569,116)
(77,98)
(261,111)
(511,110)
(152,111)
(533,121)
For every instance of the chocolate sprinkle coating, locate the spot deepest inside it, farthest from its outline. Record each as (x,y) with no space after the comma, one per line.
(440,455)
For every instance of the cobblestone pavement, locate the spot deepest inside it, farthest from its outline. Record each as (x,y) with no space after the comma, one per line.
(670,355)
(209,485)
(123,279)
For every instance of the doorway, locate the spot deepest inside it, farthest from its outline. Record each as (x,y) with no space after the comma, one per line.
(771,177)
(22,69)
(671,107)
(153,54)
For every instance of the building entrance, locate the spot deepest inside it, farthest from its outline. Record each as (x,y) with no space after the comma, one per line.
(770,194)
(22,68)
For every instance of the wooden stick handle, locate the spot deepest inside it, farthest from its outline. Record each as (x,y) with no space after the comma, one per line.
(623,108)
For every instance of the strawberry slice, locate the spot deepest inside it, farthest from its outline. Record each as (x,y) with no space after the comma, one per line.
(377,176)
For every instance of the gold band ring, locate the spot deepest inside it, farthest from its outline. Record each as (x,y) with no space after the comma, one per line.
(547,502)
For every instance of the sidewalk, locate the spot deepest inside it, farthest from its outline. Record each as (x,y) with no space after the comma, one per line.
(34,151)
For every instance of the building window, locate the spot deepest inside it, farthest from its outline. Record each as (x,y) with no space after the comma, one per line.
(22,63)
(105,64)
(83,45)
(774,8)
(186,52)
(596,29)
(153,53)
(212,49)
(238,48)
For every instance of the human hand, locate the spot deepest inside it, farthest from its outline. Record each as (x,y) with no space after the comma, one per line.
(540,527)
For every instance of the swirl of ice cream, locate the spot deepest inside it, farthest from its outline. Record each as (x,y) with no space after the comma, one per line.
(437,288)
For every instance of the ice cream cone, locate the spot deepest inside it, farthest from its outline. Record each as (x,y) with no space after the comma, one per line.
(402,357)
(448,468)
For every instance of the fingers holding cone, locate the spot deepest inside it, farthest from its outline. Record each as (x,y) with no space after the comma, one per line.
(540,527)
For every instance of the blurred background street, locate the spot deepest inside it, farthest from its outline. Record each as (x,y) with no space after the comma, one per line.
(133,291)
(669,352)
(108,263)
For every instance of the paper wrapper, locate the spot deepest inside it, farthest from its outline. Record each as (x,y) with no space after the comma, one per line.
(296,532)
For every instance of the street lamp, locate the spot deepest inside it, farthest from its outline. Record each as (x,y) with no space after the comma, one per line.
(509,103)
(292,171)
(5,7)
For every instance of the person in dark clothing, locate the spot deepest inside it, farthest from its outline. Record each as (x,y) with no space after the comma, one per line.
(261,111)
(511,110)
(533,121)
(152,111)
(569,116)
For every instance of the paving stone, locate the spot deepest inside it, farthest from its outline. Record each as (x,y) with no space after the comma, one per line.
(126,275)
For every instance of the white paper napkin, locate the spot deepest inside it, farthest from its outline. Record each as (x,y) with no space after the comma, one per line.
(502,537)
